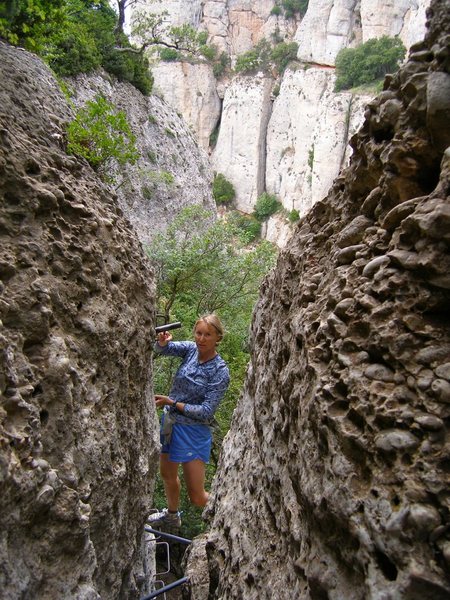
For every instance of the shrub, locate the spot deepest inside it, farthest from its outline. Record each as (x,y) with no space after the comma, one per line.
(294,215)
(168,54)
(290,8)
(368,62)
(249,228)
(131,67)
(99,133)
(282,54)
(208,52)
(75,36)
(266,205)
(221,64)
(257,59)
(223,190)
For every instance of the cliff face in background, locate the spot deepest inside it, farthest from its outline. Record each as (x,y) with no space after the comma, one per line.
(292,145)
(78,450)
(172,171)
(333,481)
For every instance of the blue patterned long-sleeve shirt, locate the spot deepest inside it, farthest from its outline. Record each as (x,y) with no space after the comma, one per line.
(200,386)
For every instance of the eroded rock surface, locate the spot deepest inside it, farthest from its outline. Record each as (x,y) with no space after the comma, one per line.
(77,424)
(333,481)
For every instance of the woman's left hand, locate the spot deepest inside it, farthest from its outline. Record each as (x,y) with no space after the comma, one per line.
(161,401)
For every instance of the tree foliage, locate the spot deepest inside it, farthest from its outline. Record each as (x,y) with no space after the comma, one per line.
(202,266)
(265,57)
(75,36)
(291,9)
(101,134)
(368,62)
(172,43)
(265,206)
(223,190)
(28,22)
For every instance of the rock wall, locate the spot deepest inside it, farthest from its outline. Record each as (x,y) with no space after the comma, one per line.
(330,25)
(333,480)
(171,172)
(78,452)
(299,135)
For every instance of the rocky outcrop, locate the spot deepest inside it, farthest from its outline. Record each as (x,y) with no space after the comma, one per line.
(333,480)
(77,424)
(172,171)
(243,136)
(300,147)
(199,99)
(329,25)
(236,27)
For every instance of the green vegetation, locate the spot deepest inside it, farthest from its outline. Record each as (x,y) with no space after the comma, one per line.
(293,215)
(311,157)
(75,36)
(266,205)
(223,190)
(368,62)
(264,57)
(291,9)
(248,227)
(101,134)
(221,64)
(199,269)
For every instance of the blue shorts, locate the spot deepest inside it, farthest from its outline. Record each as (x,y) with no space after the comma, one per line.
(188,442)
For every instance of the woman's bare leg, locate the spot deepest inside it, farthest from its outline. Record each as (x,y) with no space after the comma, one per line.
(172,485)
(194,476)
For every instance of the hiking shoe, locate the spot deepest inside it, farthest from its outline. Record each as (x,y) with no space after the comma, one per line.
(164,519)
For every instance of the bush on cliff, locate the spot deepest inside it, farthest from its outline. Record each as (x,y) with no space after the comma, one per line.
(264,57)
(266,205)
(290,8)
(75,36)
(368,62)
(223,190)
(101,134)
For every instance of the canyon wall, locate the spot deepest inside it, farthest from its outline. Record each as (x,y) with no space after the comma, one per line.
(333,481)
(78,429)
(289,136)
(171,172)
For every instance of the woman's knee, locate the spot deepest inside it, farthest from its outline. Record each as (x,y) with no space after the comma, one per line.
(198,497)
(169,471)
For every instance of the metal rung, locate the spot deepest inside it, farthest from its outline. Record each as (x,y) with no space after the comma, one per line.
(166,588)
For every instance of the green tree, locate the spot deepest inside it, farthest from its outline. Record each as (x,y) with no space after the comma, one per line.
(101,134)
(202,269)
(75,36)
(29,22)
(264,57)
(256,59)
(368,62)
(223,190)
(290,8)
(282,54)
(152,30)
(266,205)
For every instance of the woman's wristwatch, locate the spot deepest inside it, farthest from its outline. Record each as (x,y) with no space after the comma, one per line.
(175,405)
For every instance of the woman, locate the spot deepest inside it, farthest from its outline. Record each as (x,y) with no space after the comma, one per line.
(199,385)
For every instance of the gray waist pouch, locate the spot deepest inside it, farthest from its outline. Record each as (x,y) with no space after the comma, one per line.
(166,426)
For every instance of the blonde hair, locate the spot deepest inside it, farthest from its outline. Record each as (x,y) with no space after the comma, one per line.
(213,320)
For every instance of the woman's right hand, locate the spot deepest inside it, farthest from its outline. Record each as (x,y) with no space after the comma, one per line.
(164,338)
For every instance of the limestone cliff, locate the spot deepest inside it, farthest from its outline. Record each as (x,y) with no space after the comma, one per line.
(171,172)
(294,141)
(77,423)
(333,481)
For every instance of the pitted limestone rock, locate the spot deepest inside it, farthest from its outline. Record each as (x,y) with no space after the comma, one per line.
(333,480)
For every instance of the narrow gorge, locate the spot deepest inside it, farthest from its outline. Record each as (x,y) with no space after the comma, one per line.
(333,481)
